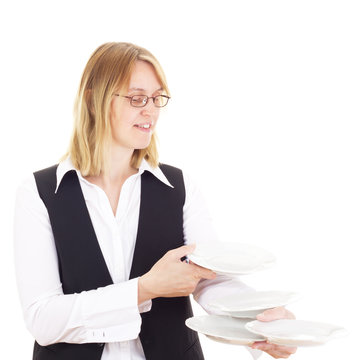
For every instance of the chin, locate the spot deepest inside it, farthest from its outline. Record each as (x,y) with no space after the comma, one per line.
(141,146)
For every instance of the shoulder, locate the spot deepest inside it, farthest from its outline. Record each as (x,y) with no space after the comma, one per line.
(182,176)
(27,187)
(172,173)
(169,168)
(27,200)
(47,173)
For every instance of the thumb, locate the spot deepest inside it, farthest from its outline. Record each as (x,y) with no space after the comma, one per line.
(182,251)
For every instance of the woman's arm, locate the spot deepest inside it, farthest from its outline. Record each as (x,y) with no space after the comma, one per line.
(107,314)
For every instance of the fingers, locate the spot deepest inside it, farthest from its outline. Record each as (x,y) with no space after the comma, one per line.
(276,351)
(181,251)
(202,273)
(275,314)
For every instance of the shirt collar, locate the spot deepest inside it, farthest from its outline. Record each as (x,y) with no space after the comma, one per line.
(145,166)
(66,165)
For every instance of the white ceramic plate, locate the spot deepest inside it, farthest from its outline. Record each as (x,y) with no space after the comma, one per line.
(224,329)
(244,314)
(230,258)
(231,342)
(252,302)
(296,332)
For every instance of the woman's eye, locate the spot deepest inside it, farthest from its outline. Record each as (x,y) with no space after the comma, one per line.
(138,99)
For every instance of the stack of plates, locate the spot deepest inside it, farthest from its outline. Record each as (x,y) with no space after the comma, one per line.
(234,328)
(282,332)
(228,258)
(224,329)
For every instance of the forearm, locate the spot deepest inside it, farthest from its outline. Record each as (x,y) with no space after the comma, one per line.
(104,315)
(208,290)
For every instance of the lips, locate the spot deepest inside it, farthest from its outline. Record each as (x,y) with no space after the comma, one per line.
(144,127)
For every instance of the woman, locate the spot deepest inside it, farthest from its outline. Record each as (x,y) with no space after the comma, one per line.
(99,238)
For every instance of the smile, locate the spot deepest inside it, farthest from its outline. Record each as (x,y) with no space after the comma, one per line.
(144,127)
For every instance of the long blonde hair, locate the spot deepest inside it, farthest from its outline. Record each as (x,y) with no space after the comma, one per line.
(108,69)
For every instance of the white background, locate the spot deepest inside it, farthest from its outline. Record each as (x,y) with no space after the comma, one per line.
(264,115)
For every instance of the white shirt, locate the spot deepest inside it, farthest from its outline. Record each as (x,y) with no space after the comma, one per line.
(110,314)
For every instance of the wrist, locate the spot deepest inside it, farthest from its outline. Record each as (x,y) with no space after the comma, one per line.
(144,292)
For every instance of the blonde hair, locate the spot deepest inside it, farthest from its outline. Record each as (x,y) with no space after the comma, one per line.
(108,70)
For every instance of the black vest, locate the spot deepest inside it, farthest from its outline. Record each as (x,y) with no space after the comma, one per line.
(82,267)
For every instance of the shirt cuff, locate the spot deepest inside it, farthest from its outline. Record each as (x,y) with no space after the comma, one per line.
(145,306)
(111,313)
(210,290)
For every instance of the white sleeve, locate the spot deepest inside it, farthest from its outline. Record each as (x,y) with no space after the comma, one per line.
(103,315)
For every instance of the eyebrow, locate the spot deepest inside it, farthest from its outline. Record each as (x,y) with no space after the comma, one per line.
(140,89)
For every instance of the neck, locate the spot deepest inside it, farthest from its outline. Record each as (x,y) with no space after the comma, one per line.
(119,168)
(120,165)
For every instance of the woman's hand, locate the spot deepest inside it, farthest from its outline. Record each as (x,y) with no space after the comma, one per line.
(171,277)
(276,351)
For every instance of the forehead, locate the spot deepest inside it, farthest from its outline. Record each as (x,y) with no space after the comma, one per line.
(144,77)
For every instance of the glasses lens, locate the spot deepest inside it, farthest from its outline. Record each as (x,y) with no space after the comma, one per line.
(160,100)
(139,100)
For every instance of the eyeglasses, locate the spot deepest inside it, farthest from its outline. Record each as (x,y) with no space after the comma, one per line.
(142,100)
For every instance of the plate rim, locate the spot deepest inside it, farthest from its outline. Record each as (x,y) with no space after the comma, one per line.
(203,263)
(293,295)
(222,336)
(310,340)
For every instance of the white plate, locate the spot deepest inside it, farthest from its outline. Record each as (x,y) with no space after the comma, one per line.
(252,302)
(296,332)
(244,314)
(232,258)
(231,342)
(224,328)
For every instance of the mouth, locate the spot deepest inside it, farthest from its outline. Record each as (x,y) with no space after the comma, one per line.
(144,127)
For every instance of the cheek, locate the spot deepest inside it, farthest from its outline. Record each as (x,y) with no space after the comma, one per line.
(156,116)
(128,118)
(121,118)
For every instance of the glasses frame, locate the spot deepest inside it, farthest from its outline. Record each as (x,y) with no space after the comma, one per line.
(147,100)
